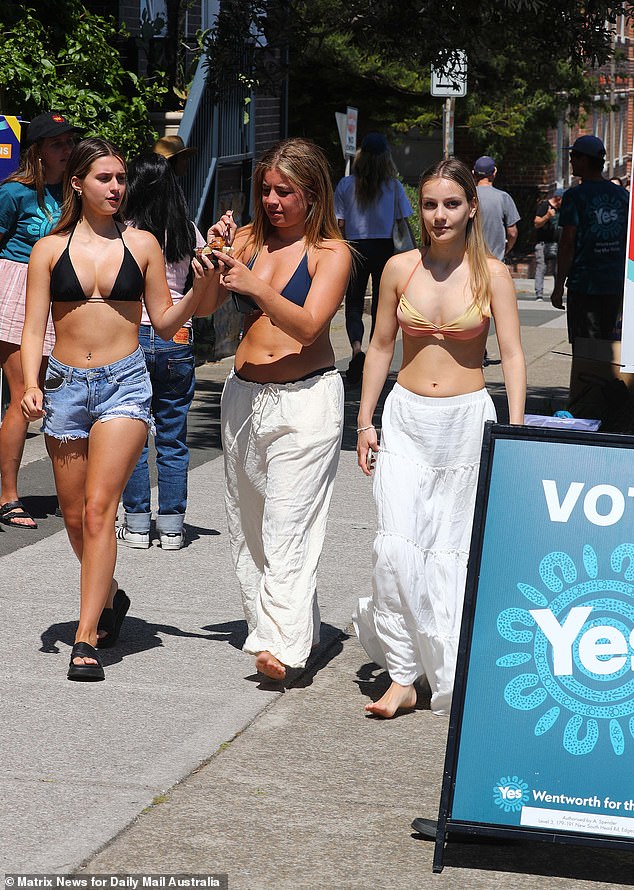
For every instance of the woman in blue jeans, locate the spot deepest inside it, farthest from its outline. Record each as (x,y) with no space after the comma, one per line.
(156,204)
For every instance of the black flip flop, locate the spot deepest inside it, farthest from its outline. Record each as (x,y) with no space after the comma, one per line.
(14,510)
(85,671)
(112,619)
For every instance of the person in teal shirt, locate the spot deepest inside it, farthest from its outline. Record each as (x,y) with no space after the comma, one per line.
(30,205)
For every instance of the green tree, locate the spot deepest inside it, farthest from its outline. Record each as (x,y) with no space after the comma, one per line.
(529,61)
(68,59)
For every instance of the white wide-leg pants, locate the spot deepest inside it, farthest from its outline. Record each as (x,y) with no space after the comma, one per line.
(281,449)
(424,486)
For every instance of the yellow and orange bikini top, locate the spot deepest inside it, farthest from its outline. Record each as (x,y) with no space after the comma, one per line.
(470,324)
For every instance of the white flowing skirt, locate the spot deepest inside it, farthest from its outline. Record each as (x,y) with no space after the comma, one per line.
(424,486)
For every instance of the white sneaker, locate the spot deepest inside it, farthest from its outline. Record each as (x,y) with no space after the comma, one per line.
(171,541)
(138,540)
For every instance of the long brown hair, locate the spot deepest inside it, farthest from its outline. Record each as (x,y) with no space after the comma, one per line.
(370,171)
(30,172)
(475,245)
(79,163)
(304,165)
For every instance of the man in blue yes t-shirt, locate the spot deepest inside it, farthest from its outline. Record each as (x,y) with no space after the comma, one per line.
(591,259)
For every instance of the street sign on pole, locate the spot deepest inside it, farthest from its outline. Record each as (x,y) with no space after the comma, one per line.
(449,79)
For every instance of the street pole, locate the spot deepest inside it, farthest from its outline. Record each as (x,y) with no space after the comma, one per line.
(448,127)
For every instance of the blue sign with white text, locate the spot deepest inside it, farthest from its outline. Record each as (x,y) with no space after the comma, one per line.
(547,731)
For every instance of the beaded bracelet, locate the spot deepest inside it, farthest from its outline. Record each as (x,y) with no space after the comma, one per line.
(362,429)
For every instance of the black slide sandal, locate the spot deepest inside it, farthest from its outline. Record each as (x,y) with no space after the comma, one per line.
(112,619)
(13,511)
(85,671)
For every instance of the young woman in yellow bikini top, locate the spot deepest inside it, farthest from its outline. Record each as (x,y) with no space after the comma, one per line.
(469,324)
(443,358)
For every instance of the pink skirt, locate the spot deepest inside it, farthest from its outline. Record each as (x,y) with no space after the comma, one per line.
(12,302)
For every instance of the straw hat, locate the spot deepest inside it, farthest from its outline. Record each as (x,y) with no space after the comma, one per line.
(173,148)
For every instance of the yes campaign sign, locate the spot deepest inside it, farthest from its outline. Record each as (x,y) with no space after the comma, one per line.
(541,734)
(9,145)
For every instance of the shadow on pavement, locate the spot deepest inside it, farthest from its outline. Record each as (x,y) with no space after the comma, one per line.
(137,635)
(331,640)
(40,506)
(374,681)
(607,867)
(203,422)
(232,632)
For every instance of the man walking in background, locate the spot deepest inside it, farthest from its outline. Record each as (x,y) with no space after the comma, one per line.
(546,224)
(497,209)
(591,259)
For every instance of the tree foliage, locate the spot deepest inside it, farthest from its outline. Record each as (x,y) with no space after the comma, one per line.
(67,59)
(529,61)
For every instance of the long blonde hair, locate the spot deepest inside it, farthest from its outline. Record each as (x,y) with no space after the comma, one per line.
(79,163)
(476,249)
(304,165)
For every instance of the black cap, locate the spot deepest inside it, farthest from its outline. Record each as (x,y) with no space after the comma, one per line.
(47,125)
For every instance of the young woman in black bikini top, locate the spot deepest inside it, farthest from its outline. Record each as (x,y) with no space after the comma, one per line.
(98,375)
(66,286)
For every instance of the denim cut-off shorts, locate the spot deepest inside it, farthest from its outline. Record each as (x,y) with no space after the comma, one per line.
(76,398)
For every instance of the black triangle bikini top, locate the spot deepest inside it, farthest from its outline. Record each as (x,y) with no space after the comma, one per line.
(66,286)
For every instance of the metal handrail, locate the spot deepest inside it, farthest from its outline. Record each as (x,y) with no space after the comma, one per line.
(219,131)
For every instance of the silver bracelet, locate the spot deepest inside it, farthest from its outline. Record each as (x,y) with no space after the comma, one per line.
(362,429)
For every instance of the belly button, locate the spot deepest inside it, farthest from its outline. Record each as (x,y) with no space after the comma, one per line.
(434,385)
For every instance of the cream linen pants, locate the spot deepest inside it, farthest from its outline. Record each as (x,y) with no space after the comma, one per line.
(281,449)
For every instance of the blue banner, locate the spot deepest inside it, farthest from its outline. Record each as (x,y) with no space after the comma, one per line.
(9,145)
(546,733)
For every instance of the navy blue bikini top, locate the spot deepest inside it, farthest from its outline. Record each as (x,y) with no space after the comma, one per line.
(295,290)
(66,286)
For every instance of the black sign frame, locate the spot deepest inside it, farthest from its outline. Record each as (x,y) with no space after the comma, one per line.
(447,825)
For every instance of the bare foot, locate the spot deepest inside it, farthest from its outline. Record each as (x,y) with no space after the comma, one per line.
(397,698)
(270,666)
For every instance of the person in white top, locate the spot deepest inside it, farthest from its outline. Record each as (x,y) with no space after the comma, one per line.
(367,203)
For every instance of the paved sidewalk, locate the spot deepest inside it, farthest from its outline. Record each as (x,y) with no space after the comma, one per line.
(182,762)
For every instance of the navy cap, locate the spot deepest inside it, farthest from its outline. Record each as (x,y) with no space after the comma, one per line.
(590,146)
(484,166)
(375,144)
(558,193)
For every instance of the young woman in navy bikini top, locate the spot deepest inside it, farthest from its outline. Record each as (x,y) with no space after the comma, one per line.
(96,372)
(442,298)
(282,406)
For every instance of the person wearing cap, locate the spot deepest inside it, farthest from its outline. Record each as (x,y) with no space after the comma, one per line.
(30,205)
(546,224)
(174,149)
(499,213)
(367,203)
(591,258)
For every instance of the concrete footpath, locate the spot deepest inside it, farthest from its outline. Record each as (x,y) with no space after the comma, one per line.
(183,761)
